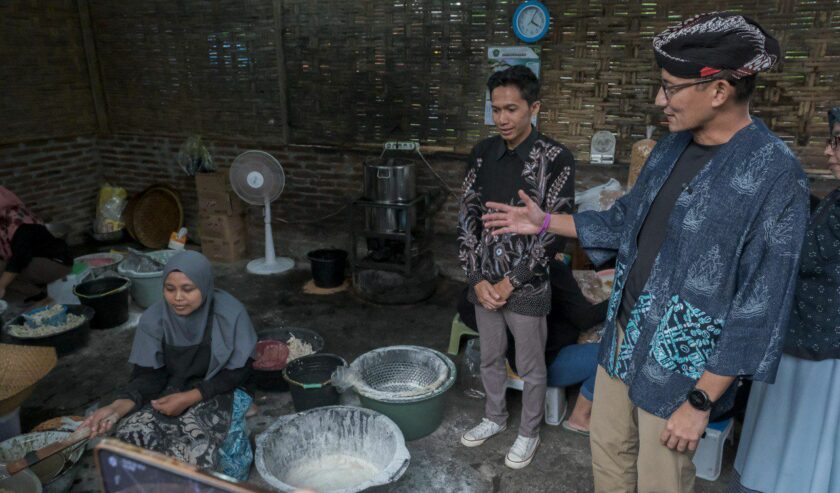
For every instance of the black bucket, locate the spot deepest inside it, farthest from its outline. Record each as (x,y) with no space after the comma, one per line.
(108,296)
(328,267)
(310,380)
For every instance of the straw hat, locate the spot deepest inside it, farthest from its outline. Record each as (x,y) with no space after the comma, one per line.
(21,367)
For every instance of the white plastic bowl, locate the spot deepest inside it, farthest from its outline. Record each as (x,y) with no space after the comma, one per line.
(333,449)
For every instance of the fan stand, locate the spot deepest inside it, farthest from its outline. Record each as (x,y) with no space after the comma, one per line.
(270,264)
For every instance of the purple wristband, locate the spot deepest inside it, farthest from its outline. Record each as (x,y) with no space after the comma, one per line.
(546,223)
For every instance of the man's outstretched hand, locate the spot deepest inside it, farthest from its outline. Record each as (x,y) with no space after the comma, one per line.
(522,220)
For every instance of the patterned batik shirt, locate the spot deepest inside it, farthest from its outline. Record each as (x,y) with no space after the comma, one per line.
(719,294)
(814,331)
(544,170)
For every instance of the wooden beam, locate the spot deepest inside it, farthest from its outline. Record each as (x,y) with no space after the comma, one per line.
(96,88)
(281,70)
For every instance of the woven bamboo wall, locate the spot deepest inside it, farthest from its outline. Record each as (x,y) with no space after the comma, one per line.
(365,71)
(340,72)
(196,66)
(44,76)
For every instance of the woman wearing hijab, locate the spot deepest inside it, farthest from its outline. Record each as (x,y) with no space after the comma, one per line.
(30,257)
(191,352)
(791,435)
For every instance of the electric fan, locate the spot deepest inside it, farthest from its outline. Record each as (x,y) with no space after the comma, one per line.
(258,178)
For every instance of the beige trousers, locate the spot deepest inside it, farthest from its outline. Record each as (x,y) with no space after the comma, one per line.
(626,453)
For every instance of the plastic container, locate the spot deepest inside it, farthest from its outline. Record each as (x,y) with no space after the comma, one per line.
(272,380)
(147,287)
(100,263)
(108,296)
(336,449)
(61,290)
(45,315)
(328,267)
(407,384)
(63,342)
(309,378)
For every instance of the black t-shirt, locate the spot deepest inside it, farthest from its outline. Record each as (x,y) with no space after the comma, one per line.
(652,232)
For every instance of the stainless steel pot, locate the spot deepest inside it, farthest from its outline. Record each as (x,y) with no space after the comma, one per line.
(389,181)
(386,220)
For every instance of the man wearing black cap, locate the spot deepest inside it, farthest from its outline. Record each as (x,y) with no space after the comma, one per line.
(706,247)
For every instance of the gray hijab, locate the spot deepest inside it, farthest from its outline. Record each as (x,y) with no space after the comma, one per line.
(232,340)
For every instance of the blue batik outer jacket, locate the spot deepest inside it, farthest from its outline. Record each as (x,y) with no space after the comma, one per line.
(720,290)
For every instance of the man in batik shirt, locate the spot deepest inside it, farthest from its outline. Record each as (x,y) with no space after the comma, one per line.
(706,247)
(509,273)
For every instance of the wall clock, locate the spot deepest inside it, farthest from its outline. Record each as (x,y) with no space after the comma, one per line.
(602,150)
(531,21)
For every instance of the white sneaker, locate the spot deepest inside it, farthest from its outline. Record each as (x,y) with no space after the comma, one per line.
(481,432)
(522,452)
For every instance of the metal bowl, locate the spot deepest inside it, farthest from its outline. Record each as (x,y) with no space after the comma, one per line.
(23,482)
(56,473)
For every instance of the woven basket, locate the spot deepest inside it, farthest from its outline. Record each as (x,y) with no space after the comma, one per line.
(128,215)
(21,367)
(156,215)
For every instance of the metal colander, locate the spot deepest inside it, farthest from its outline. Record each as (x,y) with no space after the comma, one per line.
(403,373)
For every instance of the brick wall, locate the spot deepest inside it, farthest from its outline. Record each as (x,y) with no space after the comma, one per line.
(319,182)
(57,178)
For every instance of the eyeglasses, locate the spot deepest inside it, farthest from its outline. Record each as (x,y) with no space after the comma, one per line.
(671,90)
(833,141)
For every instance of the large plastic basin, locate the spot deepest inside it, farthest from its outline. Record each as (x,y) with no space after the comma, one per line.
(147,287)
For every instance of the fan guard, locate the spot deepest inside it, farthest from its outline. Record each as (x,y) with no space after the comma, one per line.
(258,179)
(256,176)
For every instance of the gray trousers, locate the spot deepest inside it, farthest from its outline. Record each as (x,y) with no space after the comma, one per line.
(529,333)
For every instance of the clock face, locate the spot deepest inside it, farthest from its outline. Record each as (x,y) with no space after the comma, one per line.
(531,21)
(603,142)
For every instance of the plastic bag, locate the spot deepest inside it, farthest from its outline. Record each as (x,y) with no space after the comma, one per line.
(140,263)
(109,209)
(599,198)
(471,370)
(345,377)
(194,157)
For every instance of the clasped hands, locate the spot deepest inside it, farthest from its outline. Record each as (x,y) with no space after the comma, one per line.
(493,296)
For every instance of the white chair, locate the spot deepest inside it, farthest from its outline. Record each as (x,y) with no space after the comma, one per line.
(555,398)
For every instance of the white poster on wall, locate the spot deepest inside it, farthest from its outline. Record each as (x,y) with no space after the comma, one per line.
(502,57)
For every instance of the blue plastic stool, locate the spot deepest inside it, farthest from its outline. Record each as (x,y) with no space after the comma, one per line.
(709,454)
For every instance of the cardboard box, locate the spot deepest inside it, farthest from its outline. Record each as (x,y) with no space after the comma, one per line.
(216,182)
(222,227)
(219,250)
(212,203)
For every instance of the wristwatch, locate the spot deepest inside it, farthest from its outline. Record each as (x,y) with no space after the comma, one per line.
(699,400)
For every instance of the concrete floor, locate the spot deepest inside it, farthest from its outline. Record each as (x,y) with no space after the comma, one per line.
(350,327)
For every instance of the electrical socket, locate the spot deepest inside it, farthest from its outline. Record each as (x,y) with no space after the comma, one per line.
(397,145)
